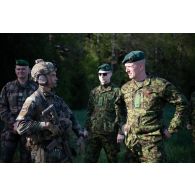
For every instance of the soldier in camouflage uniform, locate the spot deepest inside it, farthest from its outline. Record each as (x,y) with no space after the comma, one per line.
(47,139)
(103,118)
(12,98)
(145,97)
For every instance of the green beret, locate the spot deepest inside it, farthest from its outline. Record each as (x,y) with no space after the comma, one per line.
(105,67)
(22,63)
(133,56)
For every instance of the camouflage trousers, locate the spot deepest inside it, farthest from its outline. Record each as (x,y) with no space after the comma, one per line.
(96,142)
(10,142)
(146,151)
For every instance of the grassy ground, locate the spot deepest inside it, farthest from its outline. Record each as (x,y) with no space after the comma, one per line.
(178,149)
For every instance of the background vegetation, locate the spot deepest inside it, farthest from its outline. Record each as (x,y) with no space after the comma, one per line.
(171,56)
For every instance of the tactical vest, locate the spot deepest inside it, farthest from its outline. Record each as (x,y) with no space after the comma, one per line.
(44,146)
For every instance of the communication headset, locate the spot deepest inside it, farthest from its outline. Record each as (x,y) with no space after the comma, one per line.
(42,79)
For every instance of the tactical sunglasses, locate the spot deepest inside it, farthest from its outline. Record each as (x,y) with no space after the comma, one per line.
(103,74)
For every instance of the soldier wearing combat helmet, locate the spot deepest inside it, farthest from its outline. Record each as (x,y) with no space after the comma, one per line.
(47,138)
(145,97)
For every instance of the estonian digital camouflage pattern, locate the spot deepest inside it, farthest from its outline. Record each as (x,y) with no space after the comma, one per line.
(144,151)
(103,122)
(145,102)
(12,98)
(29,123)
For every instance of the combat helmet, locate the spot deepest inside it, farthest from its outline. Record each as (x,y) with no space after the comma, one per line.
(41,69)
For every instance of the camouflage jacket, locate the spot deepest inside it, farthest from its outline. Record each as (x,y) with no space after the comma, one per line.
(103,113)
(12,98)
(145,105)
(30,116)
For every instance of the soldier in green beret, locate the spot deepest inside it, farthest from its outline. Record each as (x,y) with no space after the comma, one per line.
(145,97)
(103,118)
(12,98)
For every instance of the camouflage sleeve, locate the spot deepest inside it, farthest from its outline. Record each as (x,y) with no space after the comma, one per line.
(5,113)
(192,114)
(120,111)
(173,96)
(90,108)
(26,124)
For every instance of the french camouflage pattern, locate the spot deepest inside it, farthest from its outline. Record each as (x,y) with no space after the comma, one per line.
(145,103)
(44,146)
(103,122)
(12,98)
(192,115)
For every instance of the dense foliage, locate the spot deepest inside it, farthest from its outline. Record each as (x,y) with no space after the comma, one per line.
(171,56)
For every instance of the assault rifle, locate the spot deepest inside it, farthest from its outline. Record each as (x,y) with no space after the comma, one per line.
(50,115)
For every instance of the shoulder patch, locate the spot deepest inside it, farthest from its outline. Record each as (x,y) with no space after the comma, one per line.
(26,106)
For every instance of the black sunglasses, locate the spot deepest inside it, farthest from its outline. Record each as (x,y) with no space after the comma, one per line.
(103,74)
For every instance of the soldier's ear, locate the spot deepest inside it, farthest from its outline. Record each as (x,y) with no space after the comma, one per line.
(42,80)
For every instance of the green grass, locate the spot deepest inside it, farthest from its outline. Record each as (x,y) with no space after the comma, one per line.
(81,116)
(179,148)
